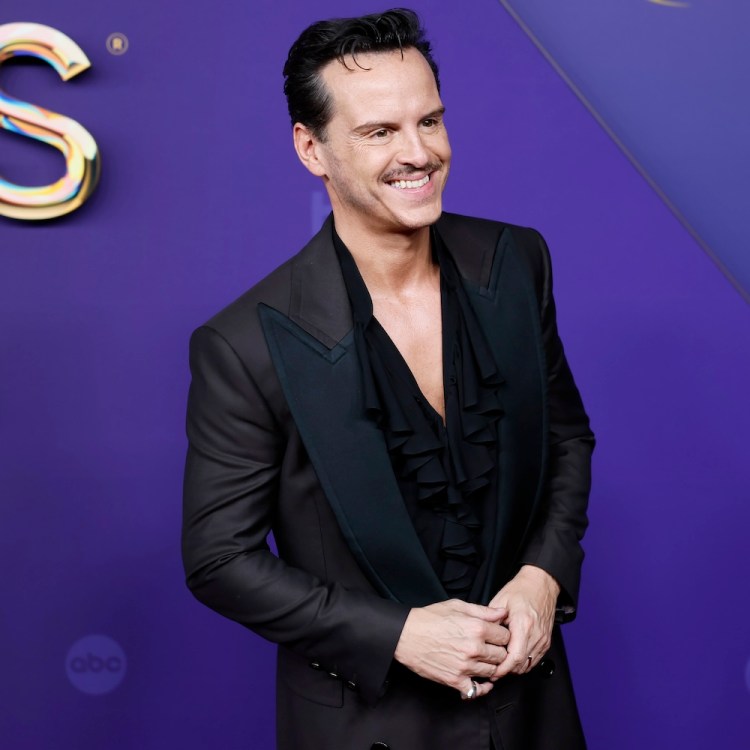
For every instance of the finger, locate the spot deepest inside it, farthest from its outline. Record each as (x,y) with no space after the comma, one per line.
(492,655)
(532,659)
(489,614)
(511,665)
(487,644)
(473,689)
(524,660)
(487,664)
(485,669)
(497,634)
(518,652)
(521,661)
(538,645)
(470,692)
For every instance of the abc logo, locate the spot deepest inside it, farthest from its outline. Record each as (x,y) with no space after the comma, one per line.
(95,664)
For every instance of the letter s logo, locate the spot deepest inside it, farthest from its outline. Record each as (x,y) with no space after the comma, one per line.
(72,139)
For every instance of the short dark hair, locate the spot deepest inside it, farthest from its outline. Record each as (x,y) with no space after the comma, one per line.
(307,98)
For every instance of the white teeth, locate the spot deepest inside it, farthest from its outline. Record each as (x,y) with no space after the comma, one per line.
(401,184)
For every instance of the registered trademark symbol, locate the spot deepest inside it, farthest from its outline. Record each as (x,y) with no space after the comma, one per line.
(671,3)
(117,44)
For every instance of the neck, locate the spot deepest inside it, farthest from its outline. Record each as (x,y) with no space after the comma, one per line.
(390,262)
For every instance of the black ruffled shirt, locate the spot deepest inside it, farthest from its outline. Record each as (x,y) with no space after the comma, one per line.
(447,472)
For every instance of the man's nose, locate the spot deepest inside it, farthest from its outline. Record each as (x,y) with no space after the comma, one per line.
(413,150)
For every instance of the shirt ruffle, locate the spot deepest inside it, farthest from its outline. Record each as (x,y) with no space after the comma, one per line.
(448,466)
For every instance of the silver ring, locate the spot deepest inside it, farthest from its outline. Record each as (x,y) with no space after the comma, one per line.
(471,693)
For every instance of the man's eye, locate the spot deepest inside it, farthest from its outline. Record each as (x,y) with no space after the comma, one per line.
(382,133)
(430,122)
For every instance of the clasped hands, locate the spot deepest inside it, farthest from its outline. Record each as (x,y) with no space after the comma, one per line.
(452,642)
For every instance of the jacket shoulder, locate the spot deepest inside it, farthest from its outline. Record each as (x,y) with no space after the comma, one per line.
(238,322)
(285,289)
(474,242)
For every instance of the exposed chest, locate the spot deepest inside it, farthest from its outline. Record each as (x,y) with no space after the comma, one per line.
(414,325)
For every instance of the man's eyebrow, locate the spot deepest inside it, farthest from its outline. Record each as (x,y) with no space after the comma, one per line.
(366,127)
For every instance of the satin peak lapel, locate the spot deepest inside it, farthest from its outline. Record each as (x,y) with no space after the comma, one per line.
(321,379)
(507,310)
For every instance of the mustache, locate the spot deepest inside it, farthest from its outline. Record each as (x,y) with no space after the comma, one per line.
(406,172)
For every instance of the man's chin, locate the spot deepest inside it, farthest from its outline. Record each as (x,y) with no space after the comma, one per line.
(420,217)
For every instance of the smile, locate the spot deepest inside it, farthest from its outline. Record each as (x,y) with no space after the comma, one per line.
(412,184)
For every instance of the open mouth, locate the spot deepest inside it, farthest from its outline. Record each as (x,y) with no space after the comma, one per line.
(410,184)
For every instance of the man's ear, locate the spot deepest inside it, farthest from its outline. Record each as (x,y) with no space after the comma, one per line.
(308,148)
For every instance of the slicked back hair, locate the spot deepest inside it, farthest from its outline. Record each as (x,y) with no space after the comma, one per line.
(308,99)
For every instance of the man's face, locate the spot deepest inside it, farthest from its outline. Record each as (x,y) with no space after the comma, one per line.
(386,156)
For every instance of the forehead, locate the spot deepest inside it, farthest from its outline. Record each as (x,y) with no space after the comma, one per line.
(388,83)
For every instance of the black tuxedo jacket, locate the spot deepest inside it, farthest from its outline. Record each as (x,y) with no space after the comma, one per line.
(278,441)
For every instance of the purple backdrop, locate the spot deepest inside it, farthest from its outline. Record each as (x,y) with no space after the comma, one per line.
(668,80)
(200,196)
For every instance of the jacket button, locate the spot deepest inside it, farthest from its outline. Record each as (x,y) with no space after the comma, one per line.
(546,668)
(351,684)
(379,746)
(334,675)
(314,665)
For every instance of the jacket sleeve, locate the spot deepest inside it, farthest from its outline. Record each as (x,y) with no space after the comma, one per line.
(555,540)
(230,497)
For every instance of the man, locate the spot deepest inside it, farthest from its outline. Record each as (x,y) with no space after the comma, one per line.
(395,405)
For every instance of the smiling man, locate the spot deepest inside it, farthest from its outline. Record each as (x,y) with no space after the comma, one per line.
(395,405)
